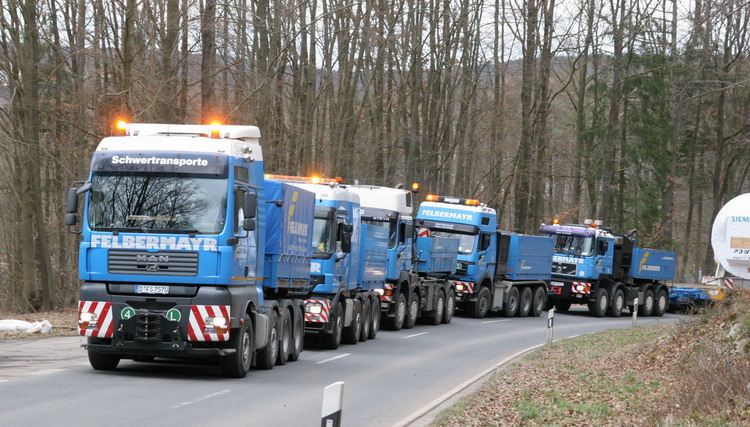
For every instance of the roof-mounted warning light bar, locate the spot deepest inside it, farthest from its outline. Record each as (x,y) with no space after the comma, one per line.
(453,200)
(415,186)
(310,179)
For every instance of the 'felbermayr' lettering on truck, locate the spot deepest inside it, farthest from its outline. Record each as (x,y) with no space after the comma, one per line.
(452,215)
(154,242)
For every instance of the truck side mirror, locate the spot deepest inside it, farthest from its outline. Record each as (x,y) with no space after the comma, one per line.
(248,224)
(249,205)
(346,242)
(72,201)
(408,231)
(71,219)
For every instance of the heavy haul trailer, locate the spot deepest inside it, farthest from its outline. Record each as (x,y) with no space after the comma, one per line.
(347,269)
(495,270)
(417,269)
(187,251)
(606,271)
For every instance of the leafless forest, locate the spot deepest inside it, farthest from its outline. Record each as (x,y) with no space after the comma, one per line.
(636,112)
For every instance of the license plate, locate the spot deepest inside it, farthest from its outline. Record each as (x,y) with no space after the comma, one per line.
(557,283)
(151,289)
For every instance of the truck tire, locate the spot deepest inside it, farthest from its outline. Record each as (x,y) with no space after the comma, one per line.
(237,364)
(353,331)
(618,304)
(661,303)
(647,307)
(524,302)
(366,320)
(538,301)
(298,330)
(103,361)
(333,340)
(375,327)
(450,306)
(510,307)
(412,312)
(482,304)
(266,357)
(598,307)
(396,322)
(562,305)
(285,337)
(436,317)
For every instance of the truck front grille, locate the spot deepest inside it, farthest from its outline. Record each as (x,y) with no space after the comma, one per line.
(163,263)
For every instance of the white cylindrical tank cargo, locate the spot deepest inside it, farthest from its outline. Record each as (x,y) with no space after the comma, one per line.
(730,237)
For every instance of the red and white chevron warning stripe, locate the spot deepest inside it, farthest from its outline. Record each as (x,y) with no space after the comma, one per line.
(423,232)
(463,287)
(580,288)
(388,287)
(101,324)
(197,328)
(324,314)
(729,283)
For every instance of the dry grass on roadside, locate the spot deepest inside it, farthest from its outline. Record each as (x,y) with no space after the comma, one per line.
(693,373)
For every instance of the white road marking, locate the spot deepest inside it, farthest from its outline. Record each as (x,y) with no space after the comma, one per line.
(202,398)
(46,371)
(333,358)
(415,335)
(496,321)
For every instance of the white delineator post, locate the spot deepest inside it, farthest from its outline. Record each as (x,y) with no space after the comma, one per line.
(333,402)
(550,324)
(635,311)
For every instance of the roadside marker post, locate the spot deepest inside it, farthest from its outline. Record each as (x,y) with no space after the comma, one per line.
(550,324)
(333,402)
(635,311)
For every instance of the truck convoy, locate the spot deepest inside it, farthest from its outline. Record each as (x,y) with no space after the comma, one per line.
(347,269)
(494,270)
(606,271)
(186,250)
(417,267)
(730,240)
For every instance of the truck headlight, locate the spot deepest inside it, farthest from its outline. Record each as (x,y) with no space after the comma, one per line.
(314,308)
(380,292)
(460,288)
(86,317)
(219,322)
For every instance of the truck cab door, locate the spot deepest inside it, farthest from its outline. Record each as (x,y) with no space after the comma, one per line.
(485,251)
(246,251)
(604,256)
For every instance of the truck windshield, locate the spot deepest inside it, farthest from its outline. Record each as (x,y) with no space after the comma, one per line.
(465,241)
(165,203)
(573,245)
(391,225)
(323,232)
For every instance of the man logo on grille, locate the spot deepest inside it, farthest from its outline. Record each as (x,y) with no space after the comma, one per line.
(152,267)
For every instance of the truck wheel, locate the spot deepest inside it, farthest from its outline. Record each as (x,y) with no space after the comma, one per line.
(285,339)
(598,307)
(298,332)
(661,303)
(353,331)
(482,305)
(510,307)
(437,314)
(450,306)
(375,328)
(266,357)
(524,303)
(103,361)
(366,323)
(333,340)
(237,364)
(537,301)
(413,311)
(648,304)
(618,303)
(396,322)
(562,305)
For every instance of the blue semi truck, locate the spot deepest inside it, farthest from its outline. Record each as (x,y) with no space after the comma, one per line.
(186,250)
(348,266)
(495,270)
(607,271)
(417,267)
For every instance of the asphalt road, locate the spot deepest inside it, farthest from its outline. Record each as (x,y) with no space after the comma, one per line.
(49,382)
